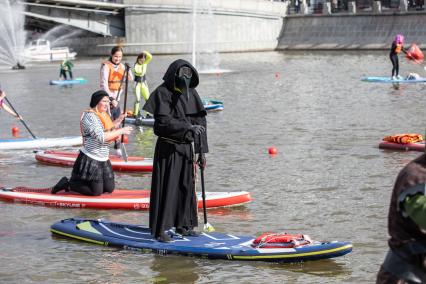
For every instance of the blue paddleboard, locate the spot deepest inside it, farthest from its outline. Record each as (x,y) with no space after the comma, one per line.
(68,82)
(210,245)
(390,80)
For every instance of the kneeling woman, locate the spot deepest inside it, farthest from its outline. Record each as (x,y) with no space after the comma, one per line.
(92,172)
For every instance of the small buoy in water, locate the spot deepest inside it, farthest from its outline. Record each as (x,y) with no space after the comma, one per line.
(272,151)
(15,131)
(277,75)
(125,139)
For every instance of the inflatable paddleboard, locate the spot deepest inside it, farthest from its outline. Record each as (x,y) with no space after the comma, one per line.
(30,143)
(212,105)
(211,245)
(390,80)
(417,146)
(209,105)
(119,199)
(140,122)
(67,158)
(68,82)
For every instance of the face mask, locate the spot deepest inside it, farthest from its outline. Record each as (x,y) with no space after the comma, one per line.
(183,80)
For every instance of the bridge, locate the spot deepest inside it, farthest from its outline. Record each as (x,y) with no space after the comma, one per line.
(103,18)
(163,26)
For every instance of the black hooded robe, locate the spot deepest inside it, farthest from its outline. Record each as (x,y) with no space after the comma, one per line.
(173,201)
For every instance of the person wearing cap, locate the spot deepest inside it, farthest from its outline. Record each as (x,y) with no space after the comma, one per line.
(92,172)
(180,120)
(405,261)
(396,48)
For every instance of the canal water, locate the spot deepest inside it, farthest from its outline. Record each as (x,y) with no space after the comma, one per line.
(329,179)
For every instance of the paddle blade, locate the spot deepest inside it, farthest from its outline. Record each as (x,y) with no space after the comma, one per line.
(124,152)
(208,228)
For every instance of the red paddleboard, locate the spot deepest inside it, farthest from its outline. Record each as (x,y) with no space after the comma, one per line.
(418,146)
(67,159)
(119,199)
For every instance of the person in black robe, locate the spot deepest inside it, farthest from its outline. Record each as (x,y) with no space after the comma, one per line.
(180,120)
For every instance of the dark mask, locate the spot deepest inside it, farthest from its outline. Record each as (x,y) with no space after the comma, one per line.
(183,80)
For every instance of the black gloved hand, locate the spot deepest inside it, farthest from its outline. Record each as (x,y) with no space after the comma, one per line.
(198,129)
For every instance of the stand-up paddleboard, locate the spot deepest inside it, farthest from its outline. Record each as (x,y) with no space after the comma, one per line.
(119,199)
(212,105)
(417,146)
(140,121)
(67,158)
(209,105)
(30,143)
(390,80)
(68,82)
(210,245)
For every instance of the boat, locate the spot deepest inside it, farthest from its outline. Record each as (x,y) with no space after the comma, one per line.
(225,246)
(68,82)
(37,143)
(119,199)
(40,50)
(67,158)
(417,146)
(390,80)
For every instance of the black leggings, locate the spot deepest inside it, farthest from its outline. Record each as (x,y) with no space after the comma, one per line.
(64,74)
(395,64)
(92,188)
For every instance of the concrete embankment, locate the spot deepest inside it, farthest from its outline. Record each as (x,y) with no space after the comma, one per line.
(373,31)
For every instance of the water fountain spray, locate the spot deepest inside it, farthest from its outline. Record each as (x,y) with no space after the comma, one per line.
(12,34)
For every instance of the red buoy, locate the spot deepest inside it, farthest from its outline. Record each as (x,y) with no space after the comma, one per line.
(15,131)
(272,151)
(125,139)
(277,75)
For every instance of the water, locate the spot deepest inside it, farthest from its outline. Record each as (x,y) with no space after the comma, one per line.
(328,180)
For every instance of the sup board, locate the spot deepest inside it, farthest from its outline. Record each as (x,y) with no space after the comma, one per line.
(140,122)
(118,199)
(211,245)
(68,82)
(30,143)
(417,146)
(67,158)
(212,105)
(390,80)
(209,105)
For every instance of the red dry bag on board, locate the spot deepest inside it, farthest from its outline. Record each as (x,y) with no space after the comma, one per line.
(280,240)
(415,54)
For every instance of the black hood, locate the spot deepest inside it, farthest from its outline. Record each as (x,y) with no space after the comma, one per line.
(169,77)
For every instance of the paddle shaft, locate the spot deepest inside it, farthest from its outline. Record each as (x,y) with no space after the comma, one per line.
(23,122)
(201,164)
(126,85)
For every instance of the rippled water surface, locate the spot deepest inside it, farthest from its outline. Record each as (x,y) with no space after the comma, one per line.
(328,180)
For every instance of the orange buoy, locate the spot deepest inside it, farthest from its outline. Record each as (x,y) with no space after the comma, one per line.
(272,151)
(125,139)
(15,131)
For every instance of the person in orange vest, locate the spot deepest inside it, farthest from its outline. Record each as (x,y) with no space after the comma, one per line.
(397,47)
(112,79)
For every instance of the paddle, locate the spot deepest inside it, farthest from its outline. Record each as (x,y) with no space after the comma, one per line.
(123,148)
(202,163)
(23,122)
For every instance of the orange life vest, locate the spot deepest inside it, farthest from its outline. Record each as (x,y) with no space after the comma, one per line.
(398,48)
(404,138)
(104,117)
(115,76)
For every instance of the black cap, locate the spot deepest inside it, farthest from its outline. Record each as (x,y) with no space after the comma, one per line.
(97,97)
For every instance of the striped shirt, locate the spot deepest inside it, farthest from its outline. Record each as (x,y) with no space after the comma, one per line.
(94,144)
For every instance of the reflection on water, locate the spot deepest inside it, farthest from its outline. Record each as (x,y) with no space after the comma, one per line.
(329,179)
